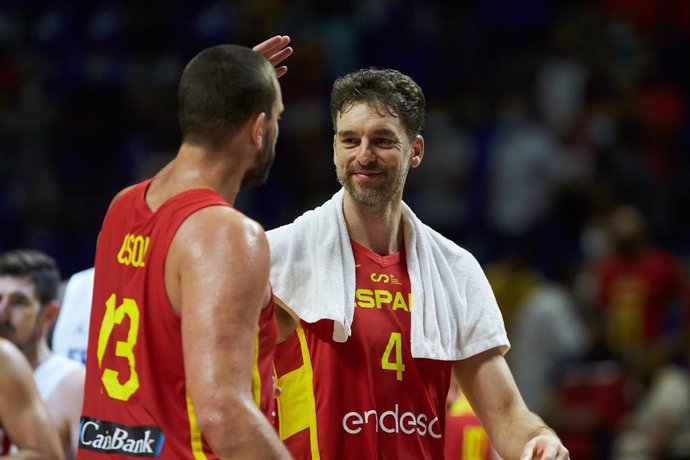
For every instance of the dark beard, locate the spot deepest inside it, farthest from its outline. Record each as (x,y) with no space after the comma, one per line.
(8,332)
(258,175)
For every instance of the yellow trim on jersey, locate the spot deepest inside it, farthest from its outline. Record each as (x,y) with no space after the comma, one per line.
(195,434)
(296,405)
(256,376)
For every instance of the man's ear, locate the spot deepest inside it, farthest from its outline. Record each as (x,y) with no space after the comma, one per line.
(52,309)
(417,151)
(257,130)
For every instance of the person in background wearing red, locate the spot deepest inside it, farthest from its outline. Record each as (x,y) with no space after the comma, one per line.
(465,437)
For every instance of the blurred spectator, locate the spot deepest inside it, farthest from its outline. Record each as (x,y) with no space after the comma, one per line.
(548,331)
(642,292)
(440,187)
(590,397)
(526,166)
(659,427)
(587,406)
(660,110)
(560,83)
(513,280)
(465,437)
(26,429)
(28,307)
(71,332)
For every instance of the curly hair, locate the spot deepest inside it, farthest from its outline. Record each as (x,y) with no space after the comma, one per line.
(384,89)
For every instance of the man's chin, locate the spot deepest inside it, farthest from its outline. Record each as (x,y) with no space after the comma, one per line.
(366,197)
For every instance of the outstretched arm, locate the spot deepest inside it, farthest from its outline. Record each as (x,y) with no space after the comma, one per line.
(220,260)
(276,50)
(515,431)
(22,414)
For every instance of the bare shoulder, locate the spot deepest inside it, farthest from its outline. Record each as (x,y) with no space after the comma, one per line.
(15,374)
(12,358)
(5,351)
(216,249)
(222,228)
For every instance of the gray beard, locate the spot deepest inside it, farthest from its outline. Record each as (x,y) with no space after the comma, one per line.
(375,197)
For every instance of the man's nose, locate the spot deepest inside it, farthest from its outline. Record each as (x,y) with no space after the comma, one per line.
(366,153)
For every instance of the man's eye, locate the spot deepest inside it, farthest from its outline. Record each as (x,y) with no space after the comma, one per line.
(385,142)
(19,303)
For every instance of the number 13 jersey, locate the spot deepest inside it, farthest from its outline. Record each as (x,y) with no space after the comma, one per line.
(135,402)
(366,398)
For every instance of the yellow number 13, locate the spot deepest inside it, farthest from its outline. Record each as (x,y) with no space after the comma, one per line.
(114,315)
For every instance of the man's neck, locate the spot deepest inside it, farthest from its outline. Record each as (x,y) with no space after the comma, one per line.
(378,229)
(37,354)
(194,168)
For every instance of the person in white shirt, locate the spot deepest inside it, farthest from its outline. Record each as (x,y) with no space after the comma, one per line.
(71,332)
(28,307)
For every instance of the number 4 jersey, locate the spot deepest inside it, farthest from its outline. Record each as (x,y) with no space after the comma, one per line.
(366,398)
(135,402)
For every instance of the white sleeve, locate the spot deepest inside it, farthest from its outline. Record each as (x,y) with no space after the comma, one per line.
(71,333)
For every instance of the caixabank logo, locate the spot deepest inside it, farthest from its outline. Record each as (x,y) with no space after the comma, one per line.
(113,438)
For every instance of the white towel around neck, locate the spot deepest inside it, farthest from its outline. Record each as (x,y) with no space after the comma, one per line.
(454,311)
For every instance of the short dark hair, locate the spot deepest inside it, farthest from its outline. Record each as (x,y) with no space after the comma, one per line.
(36,266)
(398,93)
(221,88)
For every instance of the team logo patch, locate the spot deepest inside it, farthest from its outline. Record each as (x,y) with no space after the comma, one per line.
(113,438)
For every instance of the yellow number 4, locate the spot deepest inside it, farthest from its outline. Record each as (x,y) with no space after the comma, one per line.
(397,365)
(113,316)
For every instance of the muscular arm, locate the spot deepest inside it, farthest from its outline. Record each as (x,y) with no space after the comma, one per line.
(217,278)
(515,432)
(22,414)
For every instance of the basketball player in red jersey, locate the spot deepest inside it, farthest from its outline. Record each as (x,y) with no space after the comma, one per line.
(369,381)
(175,369)
(24,420)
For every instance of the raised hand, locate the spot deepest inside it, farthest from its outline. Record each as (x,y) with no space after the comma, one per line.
(276,50)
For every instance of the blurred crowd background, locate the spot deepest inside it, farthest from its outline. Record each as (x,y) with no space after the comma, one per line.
(557,151)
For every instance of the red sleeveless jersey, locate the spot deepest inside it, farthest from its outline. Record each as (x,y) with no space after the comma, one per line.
(135,401)
(366,398)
